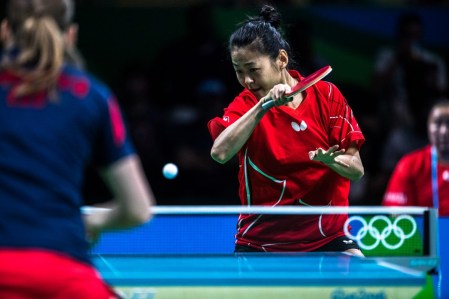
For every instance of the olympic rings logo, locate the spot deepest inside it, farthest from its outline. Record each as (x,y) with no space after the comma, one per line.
(369,228)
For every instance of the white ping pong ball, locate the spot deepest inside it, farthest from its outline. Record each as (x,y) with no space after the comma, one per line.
(170,171)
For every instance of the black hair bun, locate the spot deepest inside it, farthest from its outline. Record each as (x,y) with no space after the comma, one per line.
(270,15)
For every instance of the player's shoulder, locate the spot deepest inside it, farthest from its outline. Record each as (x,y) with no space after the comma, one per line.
(82,83)
(328,94)
(328,88)
(420,152)
(417,156)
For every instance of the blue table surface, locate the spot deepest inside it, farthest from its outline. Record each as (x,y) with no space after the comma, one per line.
(299,269)
(117,254)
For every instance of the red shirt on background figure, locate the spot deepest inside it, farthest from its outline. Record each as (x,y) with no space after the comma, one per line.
(421,178)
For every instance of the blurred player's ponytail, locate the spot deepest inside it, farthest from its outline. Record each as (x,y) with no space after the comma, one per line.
(37,29)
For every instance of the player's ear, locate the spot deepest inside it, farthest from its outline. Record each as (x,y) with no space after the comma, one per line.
(282,59)
(71,36)
(4,31)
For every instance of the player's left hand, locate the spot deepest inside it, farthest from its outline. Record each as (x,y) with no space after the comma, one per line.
(92,237)
(328,156)
(92,232)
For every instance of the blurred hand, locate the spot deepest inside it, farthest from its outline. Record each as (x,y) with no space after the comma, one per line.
(92,232)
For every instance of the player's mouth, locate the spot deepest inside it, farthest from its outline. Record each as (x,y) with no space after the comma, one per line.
(443,144)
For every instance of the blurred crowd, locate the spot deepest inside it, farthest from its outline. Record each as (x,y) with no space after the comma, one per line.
(195,73)
(253,3)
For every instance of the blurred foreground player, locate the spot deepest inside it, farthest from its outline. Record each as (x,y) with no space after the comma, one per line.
(54,119)
(421,178)
(303,152)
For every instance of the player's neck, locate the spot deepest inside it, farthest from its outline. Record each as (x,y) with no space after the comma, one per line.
(297,100)
(286,78)
(443,158)
(444,161)
(291,81)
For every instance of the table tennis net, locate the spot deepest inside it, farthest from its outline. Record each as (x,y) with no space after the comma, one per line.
(379,231)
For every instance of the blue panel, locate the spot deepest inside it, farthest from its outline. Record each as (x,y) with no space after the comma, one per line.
(382,22)
(173,235)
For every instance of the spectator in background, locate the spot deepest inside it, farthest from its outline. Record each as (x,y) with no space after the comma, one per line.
(408,78)
(421,178)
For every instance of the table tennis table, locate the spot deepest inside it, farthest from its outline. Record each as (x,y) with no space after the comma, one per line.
(188,252)
(260,275)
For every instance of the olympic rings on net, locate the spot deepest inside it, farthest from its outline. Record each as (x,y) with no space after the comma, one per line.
(380,236)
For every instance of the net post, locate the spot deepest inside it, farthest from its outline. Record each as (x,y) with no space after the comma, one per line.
(432,231)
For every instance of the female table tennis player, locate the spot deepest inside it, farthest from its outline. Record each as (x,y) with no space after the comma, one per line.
(54,118)
(302,152)
(421,177)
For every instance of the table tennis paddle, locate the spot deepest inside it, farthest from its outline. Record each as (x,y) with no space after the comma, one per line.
(302,85)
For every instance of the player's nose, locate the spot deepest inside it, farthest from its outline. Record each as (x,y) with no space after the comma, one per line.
(248,80)
(444,128)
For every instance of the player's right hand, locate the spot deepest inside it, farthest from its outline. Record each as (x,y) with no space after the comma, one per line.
(277,95)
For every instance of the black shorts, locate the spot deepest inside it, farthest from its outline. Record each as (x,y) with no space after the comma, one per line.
(339,244)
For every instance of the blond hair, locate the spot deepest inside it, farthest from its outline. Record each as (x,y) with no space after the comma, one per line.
(37,28)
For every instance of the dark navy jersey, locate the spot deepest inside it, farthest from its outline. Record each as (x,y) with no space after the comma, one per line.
(45,145)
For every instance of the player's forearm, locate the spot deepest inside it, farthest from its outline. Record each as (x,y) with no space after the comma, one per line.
(348,166)
(231,140)
(133,197)
(111,218)
(346,163)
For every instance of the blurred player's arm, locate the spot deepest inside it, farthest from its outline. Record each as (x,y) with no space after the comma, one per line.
(132,201)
